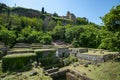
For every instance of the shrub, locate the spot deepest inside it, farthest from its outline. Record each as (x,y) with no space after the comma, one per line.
(70,60)
(15,62)
(40,53)
(46,57)
(46,39)
(1,52)
(49,61)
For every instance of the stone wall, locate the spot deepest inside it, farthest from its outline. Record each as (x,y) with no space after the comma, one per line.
(58,74)
(62,52)
(73,75)
(96,58)
(75,51)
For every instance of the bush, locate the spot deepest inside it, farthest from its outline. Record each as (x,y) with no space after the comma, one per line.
(1,52)
(15,62)
(70,60)
(46,57)
(46,39)
(49,61)
(40,53)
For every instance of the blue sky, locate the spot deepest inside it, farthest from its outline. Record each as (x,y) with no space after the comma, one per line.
(91,9)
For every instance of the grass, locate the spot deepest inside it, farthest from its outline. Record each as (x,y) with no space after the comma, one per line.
(99,53)
(106,71)
(21,49)
(44,50)
(19,55)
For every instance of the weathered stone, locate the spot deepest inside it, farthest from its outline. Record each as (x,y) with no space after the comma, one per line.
(33,73)
(19,73)
(89,70)
(52,70)
(98,65)
(3,75)
(86,64)
(62,52)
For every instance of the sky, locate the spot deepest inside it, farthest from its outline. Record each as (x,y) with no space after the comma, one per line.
(91,9)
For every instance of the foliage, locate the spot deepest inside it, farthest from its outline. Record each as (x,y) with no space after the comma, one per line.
(49,61)
(1,52)
(17,61)
(46,39)
(69,60)
(45,53)
(7,36)
(112,19)
(82,21)
(55,14)
(46,57)
(58,32)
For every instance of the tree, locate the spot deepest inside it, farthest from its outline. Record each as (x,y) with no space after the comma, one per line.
(42,11)
(112,19)
(58,33)
(51,25)
(6,36)
(46,39)
(55,14)
(82,21)
(22,36)
(73,33)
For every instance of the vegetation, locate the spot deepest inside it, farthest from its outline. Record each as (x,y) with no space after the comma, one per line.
(17,61)
(104,71)
(47,57)
(42,27)
(69,60)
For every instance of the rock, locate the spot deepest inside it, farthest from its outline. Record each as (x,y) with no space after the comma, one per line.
(2,76)
(74,65)
(98,65)
(89,70)
(33,73)
(46,73)
(19,73)
(101,52)
(77,64)
(86,64)
(84,73)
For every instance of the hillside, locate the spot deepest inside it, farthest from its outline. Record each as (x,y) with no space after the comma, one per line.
(32,26)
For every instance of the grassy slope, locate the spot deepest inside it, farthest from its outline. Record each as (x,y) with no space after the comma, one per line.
(106,71)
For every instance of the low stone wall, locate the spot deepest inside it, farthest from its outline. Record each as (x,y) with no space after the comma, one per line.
(58,74)
(72,75)
(75,51)
(96,58)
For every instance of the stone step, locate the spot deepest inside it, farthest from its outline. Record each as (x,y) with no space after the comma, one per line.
(52,70)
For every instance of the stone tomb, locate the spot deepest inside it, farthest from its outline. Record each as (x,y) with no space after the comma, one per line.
(62,52)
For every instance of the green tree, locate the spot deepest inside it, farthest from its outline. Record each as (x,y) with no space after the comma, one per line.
(46,39)
(112,19)
(82,21)
(55,14)
(58,33)
(6,36)
(42,11)
(34,37)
